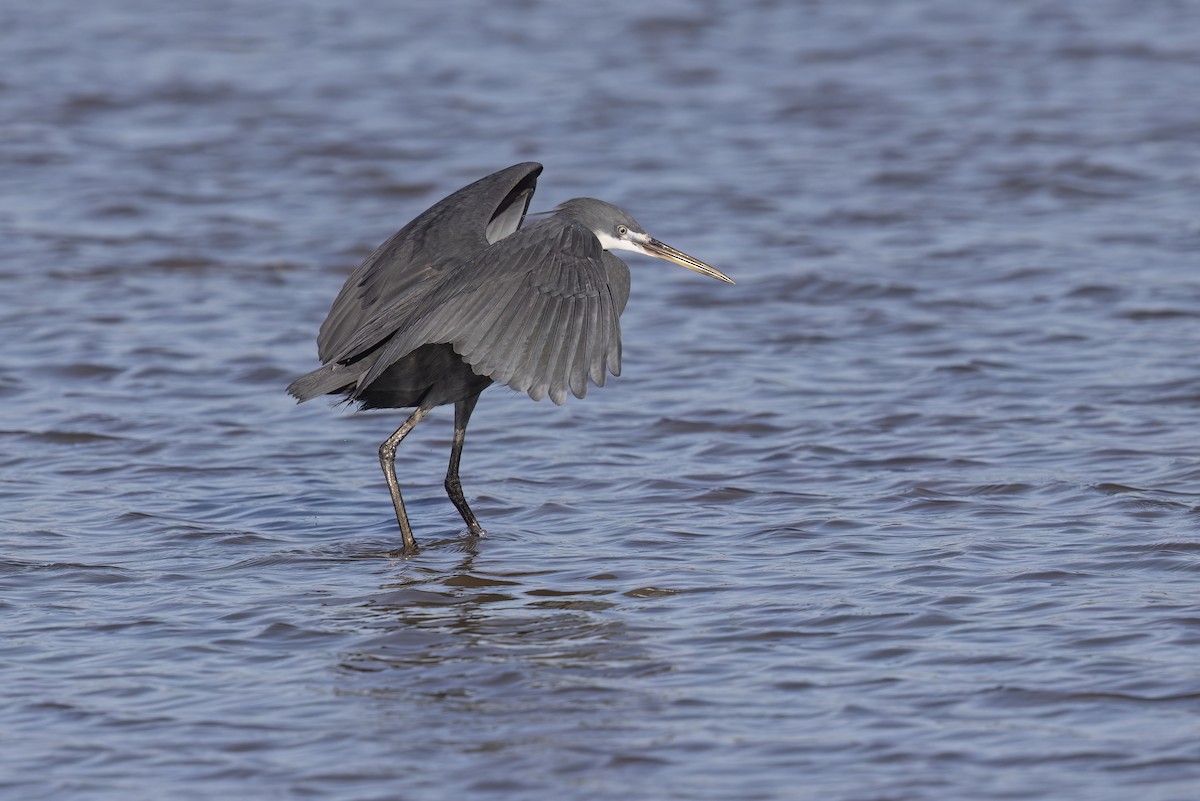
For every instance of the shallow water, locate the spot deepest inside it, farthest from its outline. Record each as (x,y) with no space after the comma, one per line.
(908,513)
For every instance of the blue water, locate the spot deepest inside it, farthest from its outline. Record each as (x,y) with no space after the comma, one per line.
(910,512)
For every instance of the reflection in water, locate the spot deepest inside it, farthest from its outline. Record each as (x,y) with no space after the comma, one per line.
(460,617)
(526,662)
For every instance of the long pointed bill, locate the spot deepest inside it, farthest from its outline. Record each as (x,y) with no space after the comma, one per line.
(661,250)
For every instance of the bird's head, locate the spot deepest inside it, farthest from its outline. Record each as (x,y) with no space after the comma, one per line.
(617,230)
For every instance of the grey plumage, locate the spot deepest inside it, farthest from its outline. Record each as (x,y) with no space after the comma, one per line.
(463,296)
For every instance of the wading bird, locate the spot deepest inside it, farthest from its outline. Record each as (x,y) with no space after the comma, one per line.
(463,296)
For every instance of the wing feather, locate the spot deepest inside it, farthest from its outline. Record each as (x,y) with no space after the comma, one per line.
(613,357)
(597,344)
(532,367)
(378,297)
(578,365)
(511,350)
(498,321)
(532,311)
(557,354)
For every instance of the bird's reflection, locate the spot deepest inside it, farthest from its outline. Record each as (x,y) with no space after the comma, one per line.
(461,612)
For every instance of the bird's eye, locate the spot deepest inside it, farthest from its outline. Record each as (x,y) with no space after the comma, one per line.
(622,230)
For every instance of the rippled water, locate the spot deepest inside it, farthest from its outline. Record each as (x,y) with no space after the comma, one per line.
(909,513)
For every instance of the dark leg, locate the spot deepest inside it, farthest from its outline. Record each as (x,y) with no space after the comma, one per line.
(462,414)
(387,460)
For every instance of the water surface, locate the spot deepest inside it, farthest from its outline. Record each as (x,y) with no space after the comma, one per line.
(908,513)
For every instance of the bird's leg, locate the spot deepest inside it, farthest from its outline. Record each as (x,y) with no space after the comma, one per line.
(462,414)
(387,460)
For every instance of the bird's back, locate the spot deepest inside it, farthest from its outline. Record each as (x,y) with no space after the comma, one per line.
(538,311)
(459,298)
(414,259)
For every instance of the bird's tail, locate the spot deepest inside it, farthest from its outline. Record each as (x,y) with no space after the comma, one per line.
(324,380)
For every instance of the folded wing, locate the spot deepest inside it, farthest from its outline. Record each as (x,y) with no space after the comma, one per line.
(415,259)
(538,311)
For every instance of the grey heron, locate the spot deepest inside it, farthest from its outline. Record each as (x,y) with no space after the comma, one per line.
(463,297)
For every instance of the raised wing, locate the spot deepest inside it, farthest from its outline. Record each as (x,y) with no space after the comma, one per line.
(538,311)
(413,260)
